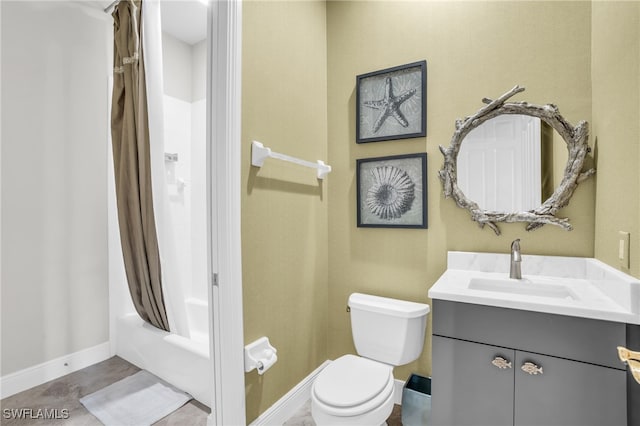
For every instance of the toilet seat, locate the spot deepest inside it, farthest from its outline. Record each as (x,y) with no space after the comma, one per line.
(353,385)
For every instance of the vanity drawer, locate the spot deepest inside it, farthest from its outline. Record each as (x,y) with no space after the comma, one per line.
(580,339)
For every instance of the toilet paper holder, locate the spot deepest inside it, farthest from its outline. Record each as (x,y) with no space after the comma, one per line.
(259,355)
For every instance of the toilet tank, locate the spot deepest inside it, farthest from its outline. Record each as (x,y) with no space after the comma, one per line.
(387,330)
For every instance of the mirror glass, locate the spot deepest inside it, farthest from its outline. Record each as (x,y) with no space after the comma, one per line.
(511,163)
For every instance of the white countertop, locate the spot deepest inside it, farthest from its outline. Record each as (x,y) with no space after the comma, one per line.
(596,290)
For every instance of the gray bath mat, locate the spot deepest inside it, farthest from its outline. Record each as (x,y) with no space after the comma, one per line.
(137,400)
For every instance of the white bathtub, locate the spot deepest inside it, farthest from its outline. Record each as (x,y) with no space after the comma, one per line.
(183,362)
(198,319)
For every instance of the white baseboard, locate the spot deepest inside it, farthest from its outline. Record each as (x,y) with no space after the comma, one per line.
(397,392)
(25,379)
(287,406)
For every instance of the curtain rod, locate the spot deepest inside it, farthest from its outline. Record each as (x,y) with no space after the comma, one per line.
(109,8)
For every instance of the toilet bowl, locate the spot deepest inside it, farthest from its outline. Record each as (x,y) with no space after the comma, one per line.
(359,390)
(353,390)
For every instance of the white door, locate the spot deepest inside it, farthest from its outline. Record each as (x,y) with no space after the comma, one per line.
(499,164)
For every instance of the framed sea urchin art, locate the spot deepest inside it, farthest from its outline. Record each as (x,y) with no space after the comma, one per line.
(392,191)
(391,103)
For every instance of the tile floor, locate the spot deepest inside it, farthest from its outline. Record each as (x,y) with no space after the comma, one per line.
(65,392)
(303,417)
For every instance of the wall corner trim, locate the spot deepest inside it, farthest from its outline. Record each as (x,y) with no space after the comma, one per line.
(27,378)
(285,407)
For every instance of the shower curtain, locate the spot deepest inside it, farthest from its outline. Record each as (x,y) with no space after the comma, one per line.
(146,233)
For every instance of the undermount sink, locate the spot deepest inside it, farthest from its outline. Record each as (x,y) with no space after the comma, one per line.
(524,286)
(581,287)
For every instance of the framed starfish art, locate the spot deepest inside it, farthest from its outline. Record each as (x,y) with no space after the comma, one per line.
(391,103)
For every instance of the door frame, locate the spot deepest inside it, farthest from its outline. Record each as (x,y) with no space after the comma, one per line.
(224,78)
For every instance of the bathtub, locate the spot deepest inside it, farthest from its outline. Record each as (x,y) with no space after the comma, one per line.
(183,362)
(198,319)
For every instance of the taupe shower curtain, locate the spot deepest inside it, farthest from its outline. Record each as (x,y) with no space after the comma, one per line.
(132,166)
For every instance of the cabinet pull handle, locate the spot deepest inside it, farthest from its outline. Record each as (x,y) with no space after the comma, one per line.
(632,359)
(501,363)
(531,368)
(625,354)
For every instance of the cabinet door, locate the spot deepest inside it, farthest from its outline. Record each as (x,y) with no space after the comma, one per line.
(467,389)
(568,393)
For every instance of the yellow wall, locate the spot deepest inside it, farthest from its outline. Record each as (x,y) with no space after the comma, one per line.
(473,50)
(616,126)
(302,252)
(284,207)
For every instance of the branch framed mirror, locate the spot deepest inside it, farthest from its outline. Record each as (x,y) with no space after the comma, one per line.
(505,139)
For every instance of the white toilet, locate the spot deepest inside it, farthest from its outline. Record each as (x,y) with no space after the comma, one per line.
(358,390)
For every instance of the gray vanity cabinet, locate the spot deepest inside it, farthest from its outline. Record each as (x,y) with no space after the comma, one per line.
(568,393)
(477,377)
(470,391)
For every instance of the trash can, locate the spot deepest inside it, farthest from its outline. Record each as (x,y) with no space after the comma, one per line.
(416,401)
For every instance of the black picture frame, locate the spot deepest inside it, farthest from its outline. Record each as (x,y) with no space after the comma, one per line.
(392,191)
(378,119)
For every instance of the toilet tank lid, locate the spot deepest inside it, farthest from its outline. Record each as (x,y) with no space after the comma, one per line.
(385,305)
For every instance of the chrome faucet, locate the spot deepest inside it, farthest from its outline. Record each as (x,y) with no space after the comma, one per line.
(516,259)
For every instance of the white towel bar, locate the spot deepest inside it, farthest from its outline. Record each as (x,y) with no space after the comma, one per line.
(259,153)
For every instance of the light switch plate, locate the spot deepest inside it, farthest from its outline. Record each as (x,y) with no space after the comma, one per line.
(623,249)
